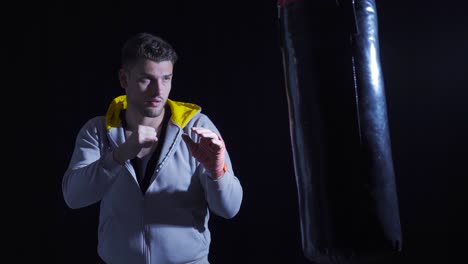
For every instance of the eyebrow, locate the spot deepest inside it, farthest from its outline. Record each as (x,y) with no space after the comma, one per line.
(143,74)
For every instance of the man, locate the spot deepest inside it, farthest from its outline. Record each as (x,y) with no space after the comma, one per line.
(157,166)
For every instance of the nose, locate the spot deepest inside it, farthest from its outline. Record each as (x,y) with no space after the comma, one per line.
(156,86)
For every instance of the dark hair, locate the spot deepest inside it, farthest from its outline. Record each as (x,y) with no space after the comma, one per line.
(146,46)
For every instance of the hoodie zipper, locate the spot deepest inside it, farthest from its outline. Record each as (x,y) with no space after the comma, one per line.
(145,232)
(145,228)
(168,154)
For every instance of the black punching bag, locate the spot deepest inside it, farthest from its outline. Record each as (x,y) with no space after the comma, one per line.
(341,150)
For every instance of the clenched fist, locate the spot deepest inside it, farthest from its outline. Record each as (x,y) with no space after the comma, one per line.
(143,137)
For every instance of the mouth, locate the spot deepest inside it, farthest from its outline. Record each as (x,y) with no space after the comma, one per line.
(156,102)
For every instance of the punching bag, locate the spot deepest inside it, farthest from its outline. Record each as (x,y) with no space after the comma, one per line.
(343,166)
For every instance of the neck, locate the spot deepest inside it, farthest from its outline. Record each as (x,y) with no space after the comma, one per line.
(134,119)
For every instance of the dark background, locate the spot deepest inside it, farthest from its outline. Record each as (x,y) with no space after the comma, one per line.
(66,55)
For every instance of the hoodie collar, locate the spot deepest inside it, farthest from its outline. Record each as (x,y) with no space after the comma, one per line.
(181,112)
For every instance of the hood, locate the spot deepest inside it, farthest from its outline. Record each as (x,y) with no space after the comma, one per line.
(181,112)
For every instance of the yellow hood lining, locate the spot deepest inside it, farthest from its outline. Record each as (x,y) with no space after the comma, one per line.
(181,112)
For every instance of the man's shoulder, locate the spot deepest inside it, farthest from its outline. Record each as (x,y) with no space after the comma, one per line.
(95,122)
(97,119)
(200,119)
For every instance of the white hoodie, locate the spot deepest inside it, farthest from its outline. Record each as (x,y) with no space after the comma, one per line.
(167,224)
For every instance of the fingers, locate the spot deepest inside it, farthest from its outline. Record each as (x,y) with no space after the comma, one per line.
(188,140)
(195,148)
(147,132)
(209,151)
(146,135)
(208,136)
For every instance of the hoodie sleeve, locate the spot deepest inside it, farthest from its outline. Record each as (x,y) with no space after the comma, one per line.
(224,195)
(92,168)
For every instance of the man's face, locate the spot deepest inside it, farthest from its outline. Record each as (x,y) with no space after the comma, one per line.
(147,85)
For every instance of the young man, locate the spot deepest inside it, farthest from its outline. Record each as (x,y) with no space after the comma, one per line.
(157,166)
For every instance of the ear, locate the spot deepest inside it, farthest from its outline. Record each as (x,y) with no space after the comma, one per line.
(123,78)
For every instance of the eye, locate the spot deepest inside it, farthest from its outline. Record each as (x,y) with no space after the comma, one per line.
(144,80)
(167,78)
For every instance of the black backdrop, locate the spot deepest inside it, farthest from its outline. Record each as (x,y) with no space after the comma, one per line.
(230,63)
